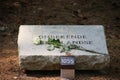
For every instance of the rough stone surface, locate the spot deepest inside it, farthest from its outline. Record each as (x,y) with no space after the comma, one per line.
(93,56)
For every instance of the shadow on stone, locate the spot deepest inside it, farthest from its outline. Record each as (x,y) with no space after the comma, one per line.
(56,73)
(43,73)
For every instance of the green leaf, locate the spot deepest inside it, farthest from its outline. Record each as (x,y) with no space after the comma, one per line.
(50,47)
(72,46)
(62,49)
(49,41)
(54,42)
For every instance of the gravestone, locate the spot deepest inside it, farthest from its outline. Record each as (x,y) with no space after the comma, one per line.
(41,46)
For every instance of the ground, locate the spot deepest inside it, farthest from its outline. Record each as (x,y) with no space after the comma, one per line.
(14,13)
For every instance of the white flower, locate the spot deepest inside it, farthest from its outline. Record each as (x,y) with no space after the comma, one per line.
(36,40)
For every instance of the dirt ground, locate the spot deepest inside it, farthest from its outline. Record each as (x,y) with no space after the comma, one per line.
(14,13)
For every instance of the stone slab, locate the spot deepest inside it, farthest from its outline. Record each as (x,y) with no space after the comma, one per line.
(91,55)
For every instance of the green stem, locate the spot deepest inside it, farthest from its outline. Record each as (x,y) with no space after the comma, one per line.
(91,51)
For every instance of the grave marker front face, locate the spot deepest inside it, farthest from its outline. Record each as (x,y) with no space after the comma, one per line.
(41,46)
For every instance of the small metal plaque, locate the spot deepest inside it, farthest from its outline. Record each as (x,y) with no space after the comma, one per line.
(67,60)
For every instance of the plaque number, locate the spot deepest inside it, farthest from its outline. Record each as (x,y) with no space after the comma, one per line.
(67,60)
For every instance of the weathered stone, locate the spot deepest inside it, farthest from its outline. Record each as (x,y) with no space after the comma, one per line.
(92,53)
